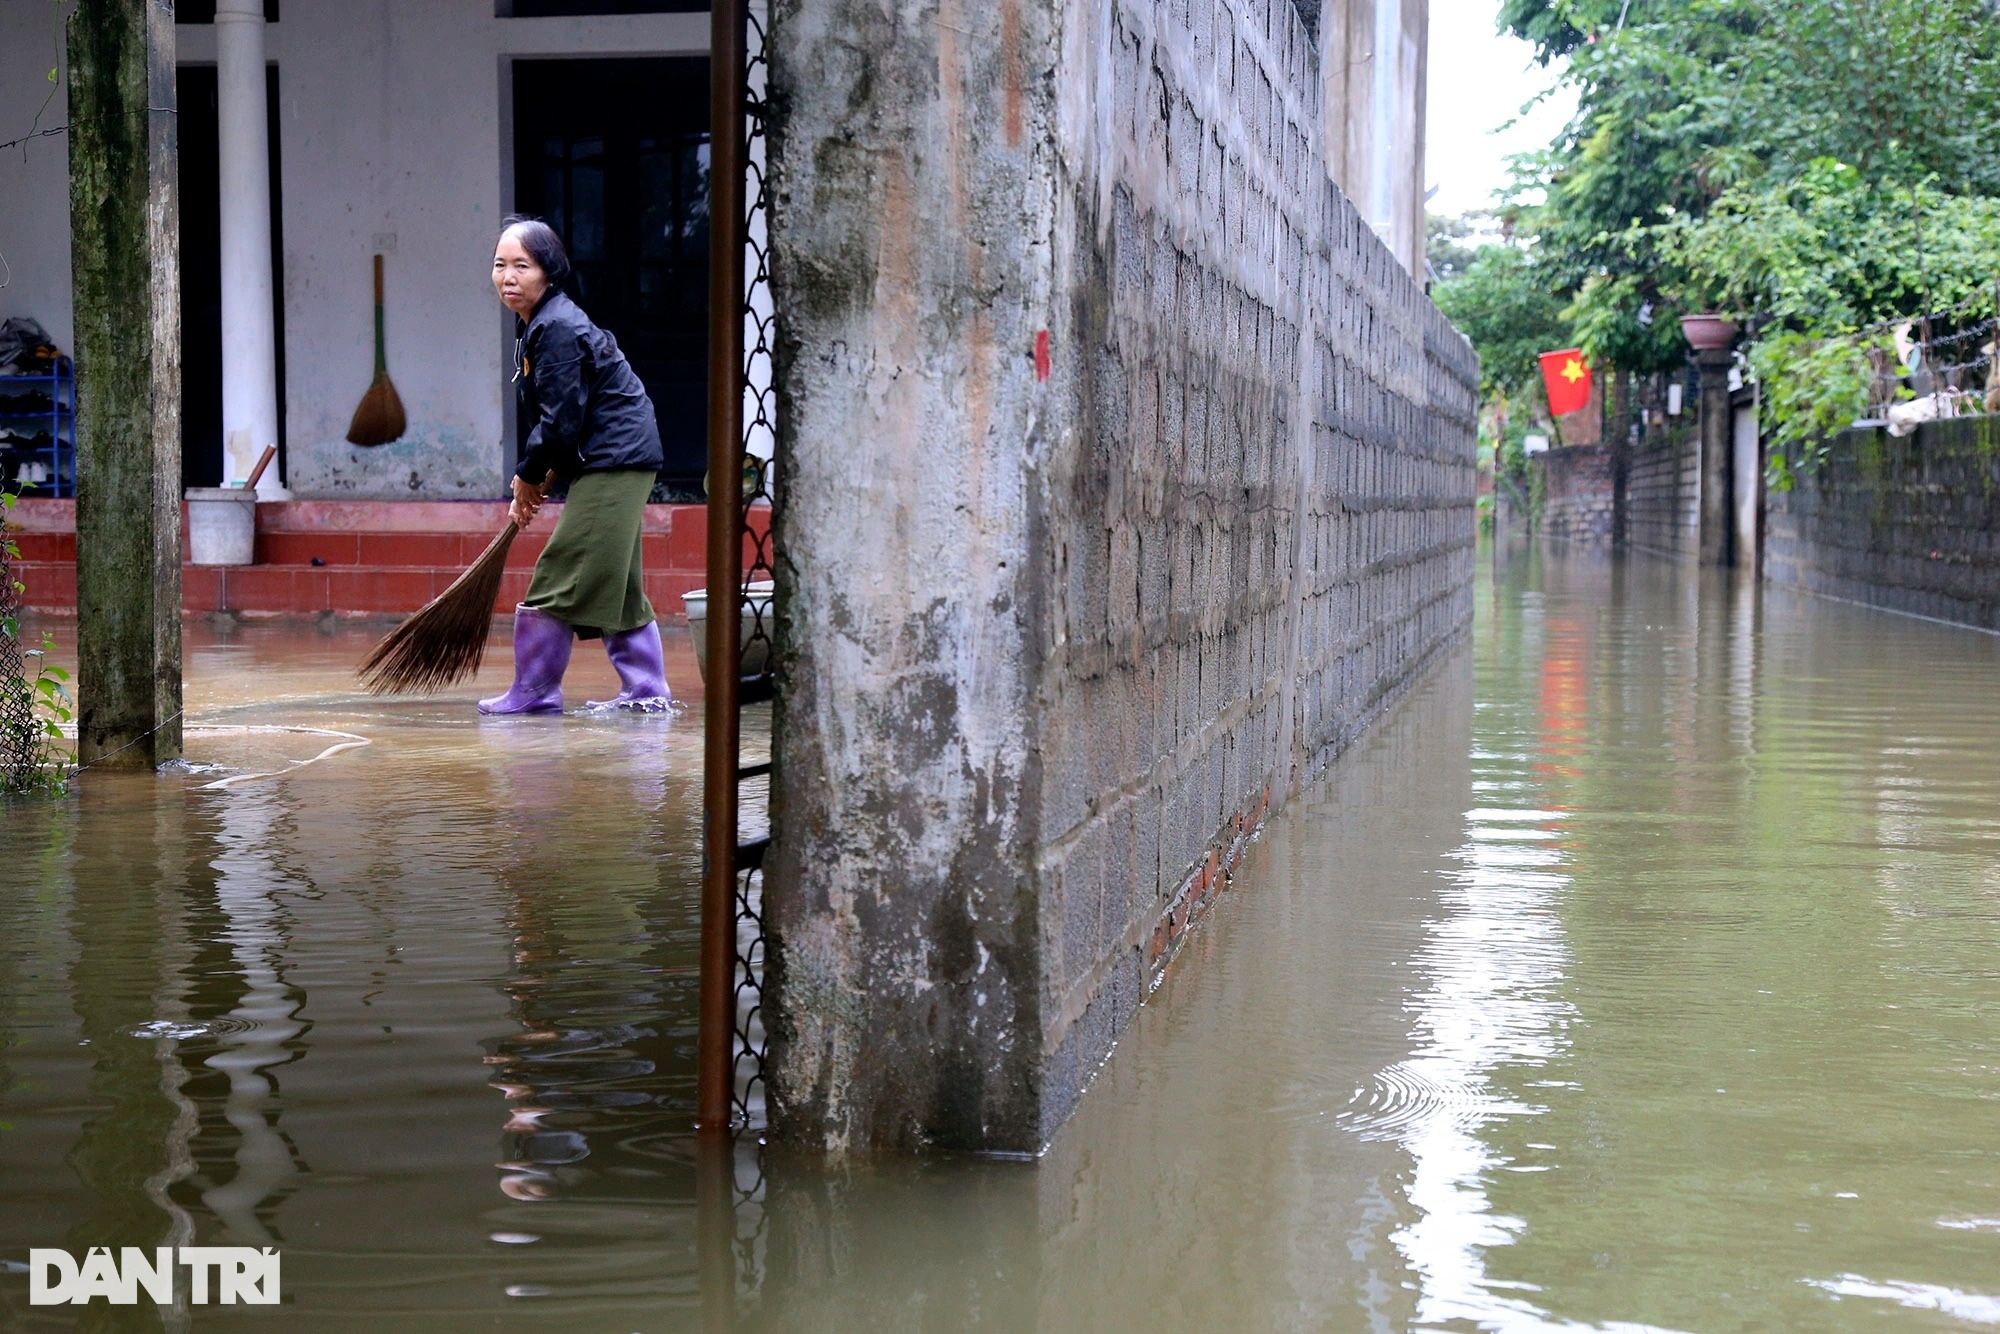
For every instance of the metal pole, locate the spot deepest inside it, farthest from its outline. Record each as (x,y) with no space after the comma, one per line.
(722,718)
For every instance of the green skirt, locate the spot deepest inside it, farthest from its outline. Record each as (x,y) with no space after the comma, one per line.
(590,573)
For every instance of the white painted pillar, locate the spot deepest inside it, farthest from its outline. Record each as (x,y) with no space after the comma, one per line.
(1386,93)
(249,330)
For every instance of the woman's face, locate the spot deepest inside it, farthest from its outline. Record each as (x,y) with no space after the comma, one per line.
(516,277)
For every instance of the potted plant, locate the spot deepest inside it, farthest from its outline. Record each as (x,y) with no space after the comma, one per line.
(1706,331)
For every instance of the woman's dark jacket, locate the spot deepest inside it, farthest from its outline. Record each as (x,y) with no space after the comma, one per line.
(590,412)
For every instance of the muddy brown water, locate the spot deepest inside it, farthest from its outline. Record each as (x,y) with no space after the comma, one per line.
(1641,970)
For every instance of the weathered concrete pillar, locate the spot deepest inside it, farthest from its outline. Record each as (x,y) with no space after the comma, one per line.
(124,226)
(1747,479)
(1718,510)
(908,962)
(249,326)
(138,888)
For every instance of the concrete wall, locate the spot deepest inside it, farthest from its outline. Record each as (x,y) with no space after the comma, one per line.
(1907,525)
(1130,479)
(1577,494)
(396,137)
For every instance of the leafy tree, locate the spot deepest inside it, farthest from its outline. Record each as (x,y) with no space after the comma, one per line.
(1558,27)
(1502,303)
(1815,166)
(1446,248)
(1647,145)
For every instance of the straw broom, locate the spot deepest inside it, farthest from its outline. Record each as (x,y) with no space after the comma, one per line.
(443,644)
(379,419)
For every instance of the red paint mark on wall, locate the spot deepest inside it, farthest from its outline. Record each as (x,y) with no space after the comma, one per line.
(1042,355)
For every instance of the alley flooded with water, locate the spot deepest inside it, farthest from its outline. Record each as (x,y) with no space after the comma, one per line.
(1640,970)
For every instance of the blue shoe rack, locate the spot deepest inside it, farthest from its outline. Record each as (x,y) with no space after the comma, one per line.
(38,431)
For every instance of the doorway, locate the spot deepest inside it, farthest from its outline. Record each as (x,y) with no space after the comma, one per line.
(614,154)
(200,186)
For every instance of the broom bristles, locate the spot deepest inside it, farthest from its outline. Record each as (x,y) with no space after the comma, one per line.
(379,418)
(442,644)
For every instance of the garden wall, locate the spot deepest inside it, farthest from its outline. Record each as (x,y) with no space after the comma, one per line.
(1910,525)
(1576,490)
(1663,492)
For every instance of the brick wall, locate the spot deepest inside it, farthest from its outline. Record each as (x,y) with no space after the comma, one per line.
(1906,525)
(1128,480)
(1663,491)
(1258,528)
(1577,497)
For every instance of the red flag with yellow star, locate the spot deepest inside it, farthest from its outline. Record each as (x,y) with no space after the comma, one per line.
(1568,379)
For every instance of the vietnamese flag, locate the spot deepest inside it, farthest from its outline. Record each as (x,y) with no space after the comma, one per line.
(1568,380)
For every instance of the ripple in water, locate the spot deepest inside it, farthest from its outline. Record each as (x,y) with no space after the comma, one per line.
(186,1031)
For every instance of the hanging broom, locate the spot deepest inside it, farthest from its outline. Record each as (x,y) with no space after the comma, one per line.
(442,644)
(379,419)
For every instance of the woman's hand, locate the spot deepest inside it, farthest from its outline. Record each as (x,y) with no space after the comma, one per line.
(527,500)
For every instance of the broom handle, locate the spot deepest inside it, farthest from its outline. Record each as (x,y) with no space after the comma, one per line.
(381,353)
(263,462)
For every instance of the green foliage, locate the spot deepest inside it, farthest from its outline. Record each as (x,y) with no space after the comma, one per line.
(1813,167)
(1903,89)
(1510,451)
(1447,253)
(1648,145)
(1502,302)
(1812,388)
(1828,251)
(32,708)
(1558,27)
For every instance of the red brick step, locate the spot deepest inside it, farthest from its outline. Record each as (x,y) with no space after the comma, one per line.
(375,558)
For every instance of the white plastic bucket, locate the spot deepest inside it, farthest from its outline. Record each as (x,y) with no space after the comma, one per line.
(222,525)
(756,603)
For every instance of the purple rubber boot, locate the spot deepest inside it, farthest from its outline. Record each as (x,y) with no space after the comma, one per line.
(642,670)
(541,656)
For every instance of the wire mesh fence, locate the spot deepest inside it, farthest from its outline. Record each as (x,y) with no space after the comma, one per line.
(20,729)
(759,566)
(1947,360)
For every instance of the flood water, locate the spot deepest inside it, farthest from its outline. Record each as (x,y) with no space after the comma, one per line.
(1640,971)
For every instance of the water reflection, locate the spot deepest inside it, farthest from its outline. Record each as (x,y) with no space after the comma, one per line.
(1493,962)
(133,1145)
(597,1071)
(257,1022)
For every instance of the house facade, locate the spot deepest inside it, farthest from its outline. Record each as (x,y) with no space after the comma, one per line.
(408,129)
(405,130)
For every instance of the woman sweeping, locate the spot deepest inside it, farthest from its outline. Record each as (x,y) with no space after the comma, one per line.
(594,428)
